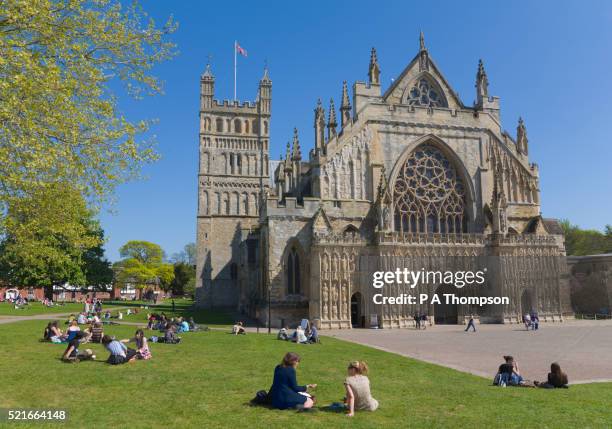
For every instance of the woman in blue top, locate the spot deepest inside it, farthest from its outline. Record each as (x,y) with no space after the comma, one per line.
(285,390)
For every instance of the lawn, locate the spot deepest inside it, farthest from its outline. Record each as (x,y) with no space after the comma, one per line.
(36,308)
(182,308)
(208,379)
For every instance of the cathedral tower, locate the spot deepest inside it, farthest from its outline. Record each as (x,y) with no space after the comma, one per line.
(233,174)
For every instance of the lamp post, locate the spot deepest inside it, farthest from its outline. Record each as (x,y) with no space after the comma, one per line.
(269,310)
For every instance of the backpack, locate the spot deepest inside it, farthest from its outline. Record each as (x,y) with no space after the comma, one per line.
(261,398)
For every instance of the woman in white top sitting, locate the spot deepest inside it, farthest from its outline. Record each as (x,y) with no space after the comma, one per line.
(357,385)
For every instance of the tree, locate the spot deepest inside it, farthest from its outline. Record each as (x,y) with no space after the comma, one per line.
(45,236)
(143,266)
(184,275)
(187,256)
(97,269)
(586,242)
(63,66)
(144,251)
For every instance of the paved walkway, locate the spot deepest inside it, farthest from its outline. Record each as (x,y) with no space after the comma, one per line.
(582,348)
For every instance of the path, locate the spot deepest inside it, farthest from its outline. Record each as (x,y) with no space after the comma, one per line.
(582,348)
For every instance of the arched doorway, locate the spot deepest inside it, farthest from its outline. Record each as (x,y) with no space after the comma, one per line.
(526,302)
(357,318)
(445,314)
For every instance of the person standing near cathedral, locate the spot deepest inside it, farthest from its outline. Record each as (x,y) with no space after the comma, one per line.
(471,324)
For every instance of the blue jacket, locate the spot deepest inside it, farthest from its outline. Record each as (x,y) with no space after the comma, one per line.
(284,390)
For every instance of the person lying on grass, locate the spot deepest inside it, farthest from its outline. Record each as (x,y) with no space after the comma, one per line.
(142,345)
(556,378)
(71,354)
(285,392)
(119,353)
(357,386)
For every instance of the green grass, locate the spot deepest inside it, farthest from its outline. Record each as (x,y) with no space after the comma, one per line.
(182,308)
(208,379)
(36,308)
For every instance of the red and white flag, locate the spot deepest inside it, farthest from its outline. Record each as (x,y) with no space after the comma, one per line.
(241,50)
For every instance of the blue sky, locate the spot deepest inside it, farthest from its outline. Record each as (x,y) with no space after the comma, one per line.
(548,61)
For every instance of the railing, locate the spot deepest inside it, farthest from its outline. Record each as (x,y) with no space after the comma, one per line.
(596,316)
(338,238)
(433,238)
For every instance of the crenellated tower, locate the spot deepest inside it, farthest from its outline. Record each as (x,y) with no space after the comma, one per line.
(233,175)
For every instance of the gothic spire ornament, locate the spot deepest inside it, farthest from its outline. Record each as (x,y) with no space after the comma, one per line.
(423,54)
(331,123)
(345,107)
(482,84)
(374,69)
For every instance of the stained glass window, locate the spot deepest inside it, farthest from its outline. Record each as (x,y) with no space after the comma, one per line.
(428,194)
(423,94)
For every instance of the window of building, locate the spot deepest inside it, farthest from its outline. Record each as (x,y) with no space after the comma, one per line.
(292,270)
(251,251)
(237,126)
(429,195)
(423,93)
(219,125)
(233,271)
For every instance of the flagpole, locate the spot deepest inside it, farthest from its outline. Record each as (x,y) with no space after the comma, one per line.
(235,59)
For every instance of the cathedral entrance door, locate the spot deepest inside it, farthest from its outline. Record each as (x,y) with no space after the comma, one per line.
(445,314)
(526,302)
(357,319)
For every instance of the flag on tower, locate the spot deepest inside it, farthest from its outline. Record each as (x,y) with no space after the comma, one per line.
(241,50)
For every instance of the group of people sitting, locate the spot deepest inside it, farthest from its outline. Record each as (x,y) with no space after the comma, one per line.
(160,322)
(509,374)
(285,392)
(93,333)
(531,320)
(119,352)
(310,335)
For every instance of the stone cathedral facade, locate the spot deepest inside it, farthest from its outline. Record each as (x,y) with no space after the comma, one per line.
(403,177)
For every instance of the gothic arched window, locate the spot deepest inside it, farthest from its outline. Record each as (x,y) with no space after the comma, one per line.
(428,194)
(423,93)
(293,272)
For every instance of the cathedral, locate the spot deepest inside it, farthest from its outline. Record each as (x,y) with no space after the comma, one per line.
(404,177)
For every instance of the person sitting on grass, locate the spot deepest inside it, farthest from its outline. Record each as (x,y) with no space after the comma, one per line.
(192,325)
(238,329)
(509,374)
(81,319)
(119,353)
(285,392)
(183,325)
(300,336)
(142,346)
(72,330)
(314,334)
(357,386)
(556,378)
(55,334)
(283,334)
(97,332)
(107,315)
(170,336)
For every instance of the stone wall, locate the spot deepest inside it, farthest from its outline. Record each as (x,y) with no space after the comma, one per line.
(590,279)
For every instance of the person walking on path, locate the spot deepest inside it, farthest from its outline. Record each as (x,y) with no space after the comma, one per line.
(471,324)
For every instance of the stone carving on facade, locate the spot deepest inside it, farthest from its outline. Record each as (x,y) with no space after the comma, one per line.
(345,176)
